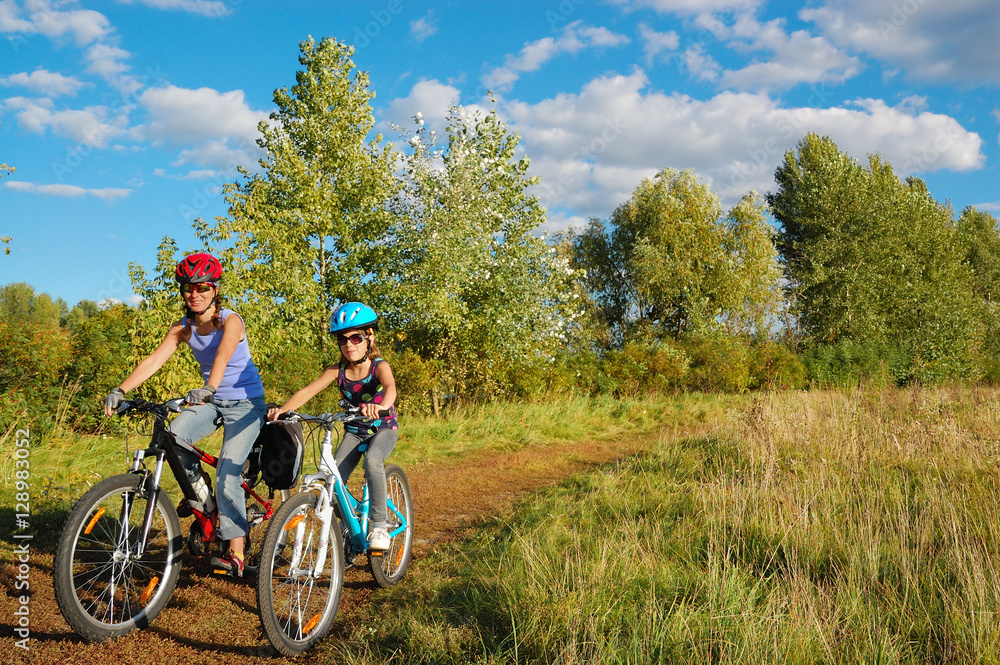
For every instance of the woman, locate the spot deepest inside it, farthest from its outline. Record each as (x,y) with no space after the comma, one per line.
(233,393)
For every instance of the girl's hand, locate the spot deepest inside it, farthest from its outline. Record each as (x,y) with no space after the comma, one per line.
(370,411)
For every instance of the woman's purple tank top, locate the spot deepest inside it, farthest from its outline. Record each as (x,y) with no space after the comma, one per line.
(241,379)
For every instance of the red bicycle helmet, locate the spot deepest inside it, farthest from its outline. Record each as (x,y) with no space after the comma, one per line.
(198,268)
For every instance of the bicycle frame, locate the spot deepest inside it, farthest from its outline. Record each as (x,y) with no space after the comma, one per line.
(353,512)
(163,446)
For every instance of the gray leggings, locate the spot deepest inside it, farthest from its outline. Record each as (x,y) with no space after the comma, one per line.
(380,445)
(241,421)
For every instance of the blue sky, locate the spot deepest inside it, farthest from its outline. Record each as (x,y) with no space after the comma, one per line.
(124,118)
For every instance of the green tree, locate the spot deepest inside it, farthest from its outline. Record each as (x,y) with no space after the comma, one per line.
(874,260)
(309,230)
(668,261)
(81,312)
(980,239)
(15,302)
(473,287)
(20,304)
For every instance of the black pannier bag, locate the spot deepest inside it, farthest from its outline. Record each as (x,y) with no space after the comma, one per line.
(280,454)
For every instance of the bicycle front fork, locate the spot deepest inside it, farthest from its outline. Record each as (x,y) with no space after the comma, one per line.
(152,483)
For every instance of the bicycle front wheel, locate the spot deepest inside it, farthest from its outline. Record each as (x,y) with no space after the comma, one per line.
(389,567)
(103,585)
(297,593)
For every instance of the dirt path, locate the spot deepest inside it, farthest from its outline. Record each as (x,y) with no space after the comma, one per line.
(214,621)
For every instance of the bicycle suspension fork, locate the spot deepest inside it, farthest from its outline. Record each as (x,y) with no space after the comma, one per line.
(152,483)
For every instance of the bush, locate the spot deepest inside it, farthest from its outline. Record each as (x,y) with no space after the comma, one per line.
(32,389)
(847,364)
(416,381)
(641,367)
(773,366)
(102,345)
(718,364)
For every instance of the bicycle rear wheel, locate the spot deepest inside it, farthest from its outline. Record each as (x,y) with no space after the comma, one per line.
(390,567)
(296,600)
(104,588)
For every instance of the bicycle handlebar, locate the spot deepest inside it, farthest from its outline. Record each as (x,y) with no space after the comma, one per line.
(349,414)
(175,405)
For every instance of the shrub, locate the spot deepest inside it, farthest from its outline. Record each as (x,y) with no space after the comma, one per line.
(846,364)
(102,344)
(31,375)
(643,366)
(773,366)
(718,364)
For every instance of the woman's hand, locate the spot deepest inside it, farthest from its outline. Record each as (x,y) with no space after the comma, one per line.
(111,402)
(274,412)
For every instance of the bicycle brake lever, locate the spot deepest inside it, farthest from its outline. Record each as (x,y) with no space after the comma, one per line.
(175,405)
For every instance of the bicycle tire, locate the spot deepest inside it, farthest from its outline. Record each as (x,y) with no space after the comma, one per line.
(390,567)
(101,590)
(297,609)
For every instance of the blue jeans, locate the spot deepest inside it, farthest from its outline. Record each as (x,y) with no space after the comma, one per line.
(380,445)
(241,422)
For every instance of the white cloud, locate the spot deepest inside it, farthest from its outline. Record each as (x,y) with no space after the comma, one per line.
(219,154)
(430,98)
(786,59)
(182,115)
(952,42)
(591,149)
(211,8)
(107,193)
(654,43)
(423,27)
(93,125)
(44,82)
(575,37)
(701,65)
(46,18)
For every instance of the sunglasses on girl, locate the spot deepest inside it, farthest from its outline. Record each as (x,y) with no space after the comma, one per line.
(202,287)
(353,339)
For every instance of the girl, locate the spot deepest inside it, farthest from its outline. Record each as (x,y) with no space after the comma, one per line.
(232,384)
(365,380)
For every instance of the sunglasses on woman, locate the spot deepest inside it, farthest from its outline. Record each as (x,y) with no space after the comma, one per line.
(196,288)
(353,339)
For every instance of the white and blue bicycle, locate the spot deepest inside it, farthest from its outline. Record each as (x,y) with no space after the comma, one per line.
(316,535)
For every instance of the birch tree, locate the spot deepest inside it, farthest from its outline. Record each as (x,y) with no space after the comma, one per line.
(668,259)
(474,285)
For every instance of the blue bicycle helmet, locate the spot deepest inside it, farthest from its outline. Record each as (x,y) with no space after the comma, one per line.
(353,316)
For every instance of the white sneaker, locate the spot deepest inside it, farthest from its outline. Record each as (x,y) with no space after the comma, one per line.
(378,539)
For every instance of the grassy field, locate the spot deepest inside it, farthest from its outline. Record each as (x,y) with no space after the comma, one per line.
(805,528)
(820,527)
(65,464)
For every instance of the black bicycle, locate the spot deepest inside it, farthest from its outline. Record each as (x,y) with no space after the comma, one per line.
(119,554)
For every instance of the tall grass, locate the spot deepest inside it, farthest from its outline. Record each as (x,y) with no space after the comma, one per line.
(808,528)
(64,463)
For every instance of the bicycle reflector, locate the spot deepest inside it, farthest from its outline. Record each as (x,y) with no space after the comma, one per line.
(294,522)
(93,521)
(149,590)
(312,624)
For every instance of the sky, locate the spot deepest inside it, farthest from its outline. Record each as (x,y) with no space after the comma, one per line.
(125,118)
